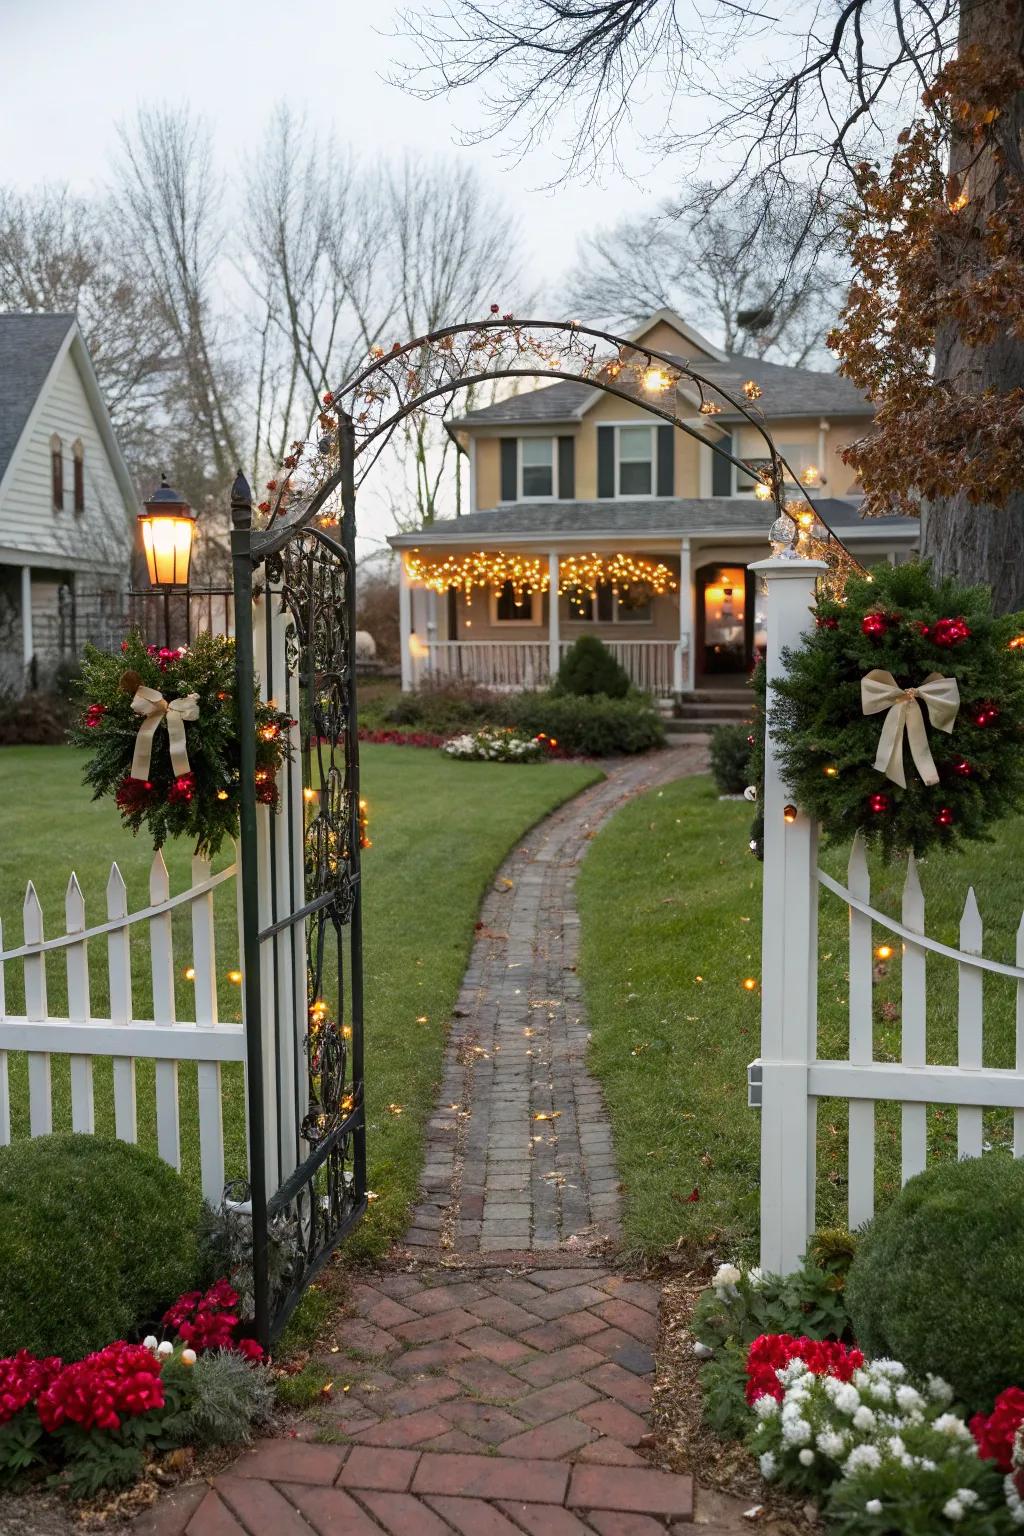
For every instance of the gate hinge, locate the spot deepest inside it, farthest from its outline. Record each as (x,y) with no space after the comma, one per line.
(755,1082)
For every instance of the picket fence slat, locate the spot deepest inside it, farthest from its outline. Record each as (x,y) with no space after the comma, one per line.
(861,1192)
(119,963)
(40,1095)
(161,949)
(914,1147)
(970,1121)
(1018,1118)
(5,1080)
(83,1114)
(211,1114)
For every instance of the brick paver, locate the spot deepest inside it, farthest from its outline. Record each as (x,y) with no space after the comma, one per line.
(500,1385)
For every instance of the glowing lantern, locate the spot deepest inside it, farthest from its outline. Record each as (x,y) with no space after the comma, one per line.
(168,526)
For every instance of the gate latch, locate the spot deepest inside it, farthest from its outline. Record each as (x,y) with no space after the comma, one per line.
(755,1082)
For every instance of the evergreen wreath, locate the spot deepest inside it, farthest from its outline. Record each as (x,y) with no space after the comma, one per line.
(202,803)
(942,642)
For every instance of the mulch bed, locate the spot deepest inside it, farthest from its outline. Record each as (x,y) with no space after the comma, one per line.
(687,1444)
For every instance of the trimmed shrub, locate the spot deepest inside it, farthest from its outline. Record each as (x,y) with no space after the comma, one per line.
(587,727)
(938,1276)
(730,758)
(34,720)
(97,1237)
(443,706)
(589,668)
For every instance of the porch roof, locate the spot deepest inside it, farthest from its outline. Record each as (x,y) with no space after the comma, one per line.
(659,518)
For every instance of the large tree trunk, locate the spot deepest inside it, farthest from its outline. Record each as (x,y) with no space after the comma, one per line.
(984,544)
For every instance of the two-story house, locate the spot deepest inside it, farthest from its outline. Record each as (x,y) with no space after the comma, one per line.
(589,515)
(67,502)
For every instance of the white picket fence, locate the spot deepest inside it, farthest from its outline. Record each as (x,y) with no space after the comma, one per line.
(789,1078)
(82,1037)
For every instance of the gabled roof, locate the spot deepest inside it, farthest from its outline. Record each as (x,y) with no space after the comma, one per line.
(786,392)
(667,516)
(686,331)
(29,346)
(32,349)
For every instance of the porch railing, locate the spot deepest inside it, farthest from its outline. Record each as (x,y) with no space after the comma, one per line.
(650,664)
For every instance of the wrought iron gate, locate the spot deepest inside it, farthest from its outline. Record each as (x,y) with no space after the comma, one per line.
(299,889)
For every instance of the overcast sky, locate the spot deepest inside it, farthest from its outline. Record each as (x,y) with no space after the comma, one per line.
(75,68)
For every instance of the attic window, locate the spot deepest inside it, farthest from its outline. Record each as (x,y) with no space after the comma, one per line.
(57,472)
(78,458)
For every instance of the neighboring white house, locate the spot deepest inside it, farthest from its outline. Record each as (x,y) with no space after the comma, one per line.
(67,502)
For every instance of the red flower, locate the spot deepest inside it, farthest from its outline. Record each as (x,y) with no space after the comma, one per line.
(167,654)
(133,795)
(996,1431)
(118,1382)
(182,790)
(250,1348)
(208,1320)
(948,632)
(771,1351)
(22,1378)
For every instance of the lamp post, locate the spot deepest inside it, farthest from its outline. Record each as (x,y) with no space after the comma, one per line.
(168,526)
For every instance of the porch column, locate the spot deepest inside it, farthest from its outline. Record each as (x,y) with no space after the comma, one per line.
(405,624)
(554,638)
(432,634)
(28,649)
(685,661)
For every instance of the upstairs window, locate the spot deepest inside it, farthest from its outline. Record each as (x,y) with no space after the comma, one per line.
(635,461)
(78,460)
(536,467)
(57,472)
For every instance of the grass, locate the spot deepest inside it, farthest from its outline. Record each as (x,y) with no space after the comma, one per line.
(440,829)
(670,902)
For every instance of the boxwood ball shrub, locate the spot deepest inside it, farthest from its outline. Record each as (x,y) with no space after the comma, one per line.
(588,667)
(730,758)
(96,1238)
(938,1277)
(587,727)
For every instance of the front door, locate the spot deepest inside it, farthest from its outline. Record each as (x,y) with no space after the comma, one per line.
(725,621)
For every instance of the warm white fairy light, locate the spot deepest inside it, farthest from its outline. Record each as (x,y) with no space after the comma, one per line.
(492,569)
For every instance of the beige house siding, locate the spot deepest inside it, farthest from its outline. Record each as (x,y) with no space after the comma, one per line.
(488,473)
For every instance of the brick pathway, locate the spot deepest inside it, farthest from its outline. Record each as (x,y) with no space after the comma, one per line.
(497,1381)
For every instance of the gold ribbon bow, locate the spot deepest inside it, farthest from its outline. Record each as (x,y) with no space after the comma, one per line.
(158,711)
(879,690)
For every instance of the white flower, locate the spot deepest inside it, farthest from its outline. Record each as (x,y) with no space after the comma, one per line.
(188,1357)
(725,1281)
(952,1425)
(967,1497)
(864,1418)
(891,1368)
(873,1506)
(953,1509)
(806,1458)
(767,1465)
(938,1390)
(1014,1502)
(909,1399)
(831,1444)
(765,1406)
(846,1397)
(863,1458)
(792,1372)
(896,1447)
(151,1342)
(796,1432)
(165,1349)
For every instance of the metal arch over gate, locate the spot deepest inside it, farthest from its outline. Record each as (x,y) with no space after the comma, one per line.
(299,883)
(300,901)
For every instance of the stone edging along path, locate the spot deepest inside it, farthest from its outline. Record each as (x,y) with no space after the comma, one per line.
(496,1379)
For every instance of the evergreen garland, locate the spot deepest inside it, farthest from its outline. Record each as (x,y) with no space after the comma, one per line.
(204,803)
(900,621)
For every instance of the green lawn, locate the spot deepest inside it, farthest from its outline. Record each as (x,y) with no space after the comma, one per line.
(440,829)
(670,901)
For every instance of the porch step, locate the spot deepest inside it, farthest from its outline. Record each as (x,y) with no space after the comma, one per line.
(737,696)
(717,709)
(698,727)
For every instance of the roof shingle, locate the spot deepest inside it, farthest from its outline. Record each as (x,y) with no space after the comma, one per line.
(28,346)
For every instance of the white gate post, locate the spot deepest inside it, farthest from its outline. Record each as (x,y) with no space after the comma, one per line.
(789,959)
(554,638)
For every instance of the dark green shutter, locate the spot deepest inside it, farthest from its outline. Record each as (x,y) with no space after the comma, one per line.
(509,468)
(566,469)
(721,470)
(666,462)
(606,461)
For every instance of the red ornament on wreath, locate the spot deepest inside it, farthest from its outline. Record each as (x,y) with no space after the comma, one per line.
(182,790)
(874,625)
(879,804)
(949,632)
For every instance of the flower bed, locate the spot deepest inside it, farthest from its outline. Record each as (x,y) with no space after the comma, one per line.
(881,1450)
(93,1423)
(496,744)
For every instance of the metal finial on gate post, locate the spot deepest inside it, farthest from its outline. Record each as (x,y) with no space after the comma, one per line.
(241,502)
